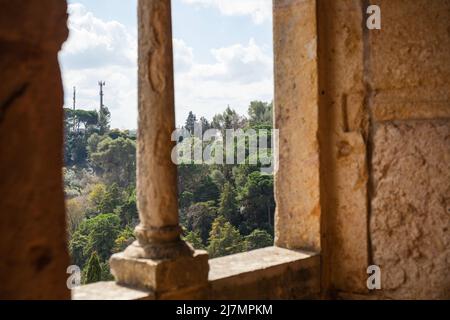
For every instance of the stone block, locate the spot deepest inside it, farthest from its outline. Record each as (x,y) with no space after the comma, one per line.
(110,291)
(265,274)
(161,275)
(410,212)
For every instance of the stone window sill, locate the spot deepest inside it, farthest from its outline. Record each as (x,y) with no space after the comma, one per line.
(269,273)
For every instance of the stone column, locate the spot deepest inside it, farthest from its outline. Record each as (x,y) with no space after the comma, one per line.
(159,231)
(158,259)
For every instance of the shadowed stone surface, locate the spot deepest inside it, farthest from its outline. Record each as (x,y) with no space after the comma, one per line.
(269,273)
(385,105)
(33,250)
(161,275)
(410,75)
(343,136)
(298,212)
(109,291)
(410,222)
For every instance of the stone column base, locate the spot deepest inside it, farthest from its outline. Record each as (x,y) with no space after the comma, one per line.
(161,275)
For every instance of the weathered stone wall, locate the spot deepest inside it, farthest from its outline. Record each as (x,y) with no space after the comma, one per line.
(297,220)
(343,140)
(385,147)
(410,224)
(33,253)
(263,274)
(409,77)
(269,273)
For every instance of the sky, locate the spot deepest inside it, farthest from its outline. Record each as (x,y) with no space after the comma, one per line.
(223,56)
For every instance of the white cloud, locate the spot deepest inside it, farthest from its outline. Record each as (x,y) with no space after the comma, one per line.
(259,10)
(240,73)
(107,50)
(183,56)
(101,50)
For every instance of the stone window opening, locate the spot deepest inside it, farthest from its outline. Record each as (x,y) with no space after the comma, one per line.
(375,103)
(156,262)
(159,265)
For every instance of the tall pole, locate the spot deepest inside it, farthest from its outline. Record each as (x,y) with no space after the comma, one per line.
(74,106)
(101,84)
(74,97)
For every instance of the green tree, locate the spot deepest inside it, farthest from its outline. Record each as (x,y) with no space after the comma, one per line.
(116,133)
(190,122)
(105,199)
(224,239)
(77,247)
(260,112)
(104,118)
(127,211)
(186,199)
(205,124)
(218,178)
(194,238)
(88,118)
(257,202)
(76,150)
(206,190)
(95,234)
(93,269)
(228,205)
(199,218)
(115,160)
(104,229)
(92,143)
(190,176)
(112,199)
(240,174)
(73,119)
(75,212)
(229,119)
(125,238)
(258,239)
(69,122)
(106,272)
(78,127)
(96,197)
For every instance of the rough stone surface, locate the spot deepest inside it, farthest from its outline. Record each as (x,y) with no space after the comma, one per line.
(384,93)
(242,263)
(269,273)
(296,110)
(343,124)
(412,48)
(109,291)
(161,275)
(409,74)
(410,222)
(33,247)
(156,174)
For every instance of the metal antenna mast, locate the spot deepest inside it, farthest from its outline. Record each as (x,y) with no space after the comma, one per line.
(101,84)
(74,106)
(74,97)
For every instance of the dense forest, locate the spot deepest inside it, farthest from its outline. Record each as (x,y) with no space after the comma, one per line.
(224,208)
